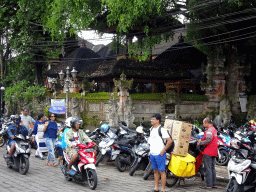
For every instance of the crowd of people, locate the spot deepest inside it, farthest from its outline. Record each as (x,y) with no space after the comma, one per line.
(45,134)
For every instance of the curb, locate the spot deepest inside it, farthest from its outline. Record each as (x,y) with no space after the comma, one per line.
(222,179)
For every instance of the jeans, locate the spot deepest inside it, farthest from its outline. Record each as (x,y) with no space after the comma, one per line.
(50,142)
(210,173)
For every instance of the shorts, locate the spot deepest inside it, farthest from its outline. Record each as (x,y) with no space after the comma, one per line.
(60,151)
(71,151)
(158,162)
(11,142)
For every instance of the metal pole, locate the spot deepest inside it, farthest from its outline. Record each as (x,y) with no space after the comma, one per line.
(67,99)
(1,103)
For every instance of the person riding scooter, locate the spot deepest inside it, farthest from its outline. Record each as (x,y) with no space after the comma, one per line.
(79,137)
(14,129)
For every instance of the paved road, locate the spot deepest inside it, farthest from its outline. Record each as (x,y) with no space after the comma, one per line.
(42,178)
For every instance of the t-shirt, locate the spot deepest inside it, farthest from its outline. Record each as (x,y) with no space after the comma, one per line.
(26,120)
(76,137)
(156,142)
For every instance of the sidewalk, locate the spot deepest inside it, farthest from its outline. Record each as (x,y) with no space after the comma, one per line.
(222,173)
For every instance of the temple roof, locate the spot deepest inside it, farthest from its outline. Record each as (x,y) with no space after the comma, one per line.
(81,59)
(182,53)
(154,70)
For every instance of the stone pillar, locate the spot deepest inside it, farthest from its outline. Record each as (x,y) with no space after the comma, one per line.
(125,108)
(216,78)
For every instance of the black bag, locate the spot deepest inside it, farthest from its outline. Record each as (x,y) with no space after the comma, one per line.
(170,149)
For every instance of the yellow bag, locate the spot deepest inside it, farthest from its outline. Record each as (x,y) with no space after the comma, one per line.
(182,166)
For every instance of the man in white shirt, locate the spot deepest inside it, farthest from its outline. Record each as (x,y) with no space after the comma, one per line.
(158,150)
(26,120)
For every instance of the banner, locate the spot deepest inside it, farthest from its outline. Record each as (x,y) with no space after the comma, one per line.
(57,106)
(243,101)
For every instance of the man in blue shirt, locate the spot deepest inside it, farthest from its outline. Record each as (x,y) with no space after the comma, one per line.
(15,129)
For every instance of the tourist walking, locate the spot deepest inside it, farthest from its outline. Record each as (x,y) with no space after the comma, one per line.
(158,151)
(50,134)
(26,120)
(38,136)
(210,141)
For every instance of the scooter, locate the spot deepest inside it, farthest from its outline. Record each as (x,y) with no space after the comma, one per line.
(84,167)
(20,158)
(223,149)
(241,171)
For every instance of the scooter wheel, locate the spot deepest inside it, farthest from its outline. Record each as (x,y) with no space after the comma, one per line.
(2,141)
(148,171)
(92,178)
(171,179)
(120,165)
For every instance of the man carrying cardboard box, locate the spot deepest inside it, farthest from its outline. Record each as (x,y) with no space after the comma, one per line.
(158,150)
(210,141)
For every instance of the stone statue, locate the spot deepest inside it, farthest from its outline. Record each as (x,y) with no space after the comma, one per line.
(128,112)
(112,112)
(75,107)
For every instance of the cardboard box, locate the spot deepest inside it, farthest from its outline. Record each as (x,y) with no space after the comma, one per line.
(168,124)
(181,135)
(181,147)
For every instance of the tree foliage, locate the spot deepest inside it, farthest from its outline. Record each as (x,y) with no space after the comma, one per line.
(29,44)
(136,17)
(22,93)
(225,31)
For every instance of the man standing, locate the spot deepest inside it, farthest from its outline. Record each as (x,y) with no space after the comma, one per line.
(26,119)
(210,141)
(158,150)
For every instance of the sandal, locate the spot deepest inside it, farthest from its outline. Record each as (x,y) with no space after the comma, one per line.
(71,172)
(204,187)
(55,164)
(49,164)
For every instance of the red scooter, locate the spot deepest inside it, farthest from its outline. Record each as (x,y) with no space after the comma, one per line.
(195,151)
(84,167)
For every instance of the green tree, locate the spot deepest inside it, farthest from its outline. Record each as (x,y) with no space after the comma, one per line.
(25,40)
(133,16)
(225,30)
(23,94)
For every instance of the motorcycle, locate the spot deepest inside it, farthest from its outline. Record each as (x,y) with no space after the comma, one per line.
(20,158)
(142,160)
(195,151)
(84,166)
(241,168)
(107,149)
(3,135)
(223,149)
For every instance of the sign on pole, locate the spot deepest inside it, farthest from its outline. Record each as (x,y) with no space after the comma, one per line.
(57,106)
(243,101)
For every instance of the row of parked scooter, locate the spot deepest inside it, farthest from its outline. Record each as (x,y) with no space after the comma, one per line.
(129,148)
(237,148)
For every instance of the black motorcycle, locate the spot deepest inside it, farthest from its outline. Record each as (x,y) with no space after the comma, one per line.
(20,158)
(3,135)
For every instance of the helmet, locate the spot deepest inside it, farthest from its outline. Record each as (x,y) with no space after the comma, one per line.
(16,119)
(67,122)
(74,121)
(104,128)
(139,129)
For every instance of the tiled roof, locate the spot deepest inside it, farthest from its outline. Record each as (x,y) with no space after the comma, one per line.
(183,54)
(81,58)
(135,69)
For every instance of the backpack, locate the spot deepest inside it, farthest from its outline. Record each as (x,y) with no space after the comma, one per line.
(170,149)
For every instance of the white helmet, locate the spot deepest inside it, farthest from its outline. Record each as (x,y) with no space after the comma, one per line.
(139,129)
(68,122)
